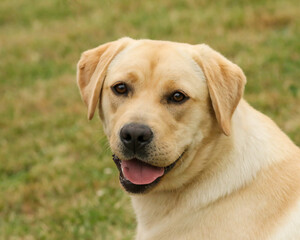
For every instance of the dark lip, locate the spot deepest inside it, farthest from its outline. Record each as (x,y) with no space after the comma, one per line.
(134,188)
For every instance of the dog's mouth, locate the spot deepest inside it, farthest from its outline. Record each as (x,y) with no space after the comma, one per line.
(140,173)
(137,176)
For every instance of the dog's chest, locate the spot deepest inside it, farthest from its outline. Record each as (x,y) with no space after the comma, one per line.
(230,219)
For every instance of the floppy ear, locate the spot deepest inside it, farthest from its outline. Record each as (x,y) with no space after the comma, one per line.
(225,81)
(91,71)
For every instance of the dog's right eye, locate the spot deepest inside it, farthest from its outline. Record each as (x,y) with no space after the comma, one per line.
(120,88)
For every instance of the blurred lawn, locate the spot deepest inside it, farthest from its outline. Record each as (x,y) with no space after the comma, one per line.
(57,180)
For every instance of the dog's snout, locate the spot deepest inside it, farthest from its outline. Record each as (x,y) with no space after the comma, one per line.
(135,136)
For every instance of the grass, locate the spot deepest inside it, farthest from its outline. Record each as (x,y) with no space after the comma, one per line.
(57,180)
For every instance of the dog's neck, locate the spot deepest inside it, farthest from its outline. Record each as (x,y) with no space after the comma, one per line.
(250,148)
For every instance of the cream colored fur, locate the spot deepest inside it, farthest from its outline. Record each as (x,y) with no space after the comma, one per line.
(239,177)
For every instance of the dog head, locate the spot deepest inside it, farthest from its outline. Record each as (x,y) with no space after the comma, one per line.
(159,102)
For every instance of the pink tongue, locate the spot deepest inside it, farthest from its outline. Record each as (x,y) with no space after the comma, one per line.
(140,173)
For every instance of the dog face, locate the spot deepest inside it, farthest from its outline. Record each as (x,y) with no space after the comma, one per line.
(159,102)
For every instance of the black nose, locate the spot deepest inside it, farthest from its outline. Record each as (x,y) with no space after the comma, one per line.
(135,136)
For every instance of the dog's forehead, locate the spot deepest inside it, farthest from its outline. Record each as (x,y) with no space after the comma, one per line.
(157,60)
(146,54)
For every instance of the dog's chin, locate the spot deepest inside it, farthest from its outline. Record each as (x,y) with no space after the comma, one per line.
(139,177)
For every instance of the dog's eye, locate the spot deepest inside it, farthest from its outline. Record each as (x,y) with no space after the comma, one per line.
(178,97)
(120,88)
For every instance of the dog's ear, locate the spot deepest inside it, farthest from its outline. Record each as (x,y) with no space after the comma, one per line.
(225,81)
(91,71)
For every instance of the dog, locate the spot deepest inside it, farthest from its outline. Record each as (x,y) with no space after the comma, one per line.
(197,160)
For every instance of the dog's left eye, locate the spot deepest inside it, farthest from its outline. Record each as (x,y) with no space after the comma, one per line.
(178,97)
(120,88)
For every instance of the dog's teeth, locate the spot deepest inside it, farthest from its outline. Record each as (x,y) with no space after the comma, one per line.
(122,168)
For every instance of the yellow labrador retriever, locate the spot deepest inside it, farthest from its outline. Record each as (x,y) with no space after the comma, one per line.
(197,160)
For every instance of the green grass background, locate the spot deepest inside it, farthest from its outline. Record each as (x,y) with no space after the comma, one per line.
(57,180)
